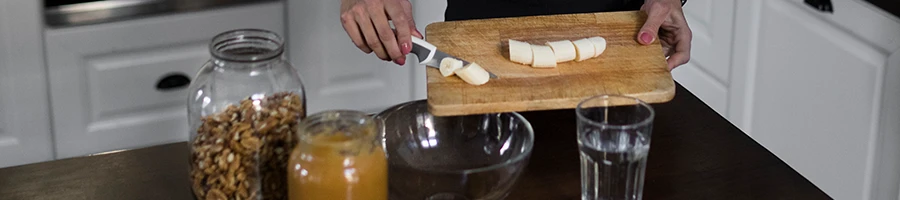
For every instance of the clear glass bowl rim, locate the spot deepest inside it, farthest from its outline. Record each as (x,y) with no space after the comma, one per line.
(529,146)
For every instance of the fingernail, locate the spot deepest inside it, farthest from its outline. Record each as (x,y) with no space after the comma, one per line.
(646,38)
(401,61)
(405,48)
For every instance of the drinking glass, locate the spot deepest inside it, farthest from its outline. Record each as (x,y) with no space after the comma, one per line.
(613,140)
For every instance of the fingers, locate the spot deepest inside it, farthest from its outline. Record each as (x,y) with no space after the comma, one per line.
(402,25)
(348,20)
(366,23)
(678,59)
(682,51)
(407,7)
(385,33)
(683,36)
(657,12)
(368,30)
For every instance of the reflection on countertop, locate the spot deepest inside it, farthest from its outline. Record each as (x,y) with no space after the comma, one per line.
(94,12)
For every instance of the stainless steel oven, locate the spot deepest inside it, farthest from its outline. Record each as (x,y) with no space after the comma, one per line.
(64,13)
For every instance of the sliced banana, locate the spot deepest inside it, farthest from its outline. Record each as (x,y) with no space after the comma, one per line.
(543,56)
(584,49)
(520,52)
(599,45)
(450,65)
(563,49)
(473,74)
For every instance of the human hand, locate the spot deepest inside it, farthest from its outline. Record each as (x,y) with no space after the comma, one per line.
(366,22)
(665,19)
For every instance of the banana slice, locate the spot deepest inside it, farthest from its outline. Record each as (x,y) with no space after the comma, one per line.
(563,49)
(450,65)
(584,49)
(520,52)
(543,56)
(599,45)
(473,74)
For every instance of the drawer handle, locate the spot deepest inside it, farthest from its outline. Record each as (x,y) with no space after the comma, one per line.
(821,5)
(173,82)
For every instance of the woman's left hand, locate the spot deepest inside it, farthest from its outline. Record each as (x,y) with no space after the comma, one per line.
(665,19)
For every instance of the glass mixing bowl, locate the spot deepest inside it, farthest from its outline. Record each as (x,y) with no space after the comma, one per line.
(475,157)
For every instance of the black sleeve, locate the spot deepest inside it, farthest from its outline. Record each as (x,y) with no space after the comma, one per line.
(482,9)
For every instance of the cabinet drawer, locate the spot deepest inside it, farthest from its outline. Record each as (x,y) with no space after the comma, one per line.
(124,84)
(103,77)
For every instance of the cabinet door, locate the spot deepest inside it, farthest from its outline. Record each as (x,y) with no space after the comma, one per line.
(337,75)
(813,90)
(707,74)
(24,114)
(103,77)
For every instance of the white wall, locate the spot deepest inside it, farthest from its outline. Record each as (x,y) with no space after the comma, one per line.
(337,75)
(425,12)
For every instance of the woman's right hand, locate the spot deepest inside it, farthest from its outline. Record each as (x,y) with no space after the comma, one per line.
(366,22)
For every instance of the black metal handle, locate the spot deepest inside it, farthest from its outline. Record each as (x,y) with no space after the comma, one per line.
(173,81)
(821,5)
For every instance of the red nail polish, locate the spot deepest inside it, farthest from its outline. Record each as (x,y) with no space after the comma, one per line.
(405,48)
(401,61)
(646,38)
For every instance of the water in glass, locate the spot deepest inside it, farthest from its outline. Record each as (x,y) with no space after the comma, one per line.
(612,165)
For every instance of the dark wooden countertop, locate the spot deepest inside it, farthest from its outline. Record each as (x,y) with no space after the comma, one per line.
(694,154)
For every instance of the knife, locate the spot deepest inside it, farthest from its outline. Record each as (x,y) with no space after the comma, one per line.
(431,57)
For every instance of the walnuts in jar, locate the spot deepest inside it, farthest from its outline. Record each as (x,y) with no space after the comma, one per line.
(242,152)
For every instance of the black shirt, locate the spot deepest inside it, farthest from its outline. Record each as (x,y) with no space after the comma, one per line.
(482,9)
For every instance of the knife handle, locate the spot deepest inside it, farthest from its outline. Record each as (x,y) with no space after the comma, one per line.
(423,50)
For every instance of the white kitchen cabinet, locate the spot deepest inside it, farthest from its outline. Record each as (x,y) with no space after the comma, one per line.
(337,75)
(103,77)
(24,114)
(819,90)
(707,74)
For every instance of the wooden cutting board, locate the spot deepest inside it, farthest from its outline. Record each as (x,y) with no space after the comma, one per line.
(625,68)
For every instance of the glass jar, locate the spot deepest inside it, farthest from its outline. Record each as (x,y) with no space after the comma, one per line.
(339,156)
(243,108)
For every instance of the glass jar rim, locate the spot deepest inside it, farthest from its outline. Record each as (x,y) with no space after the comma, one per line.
(632,101)
(268,45)
(363,118)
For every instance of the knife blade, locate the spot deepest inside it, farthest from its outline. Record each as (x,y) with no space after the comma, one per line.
(430,56)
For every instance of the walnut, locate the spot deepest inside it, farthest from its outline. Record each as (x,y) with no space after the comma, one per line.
(241,152)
